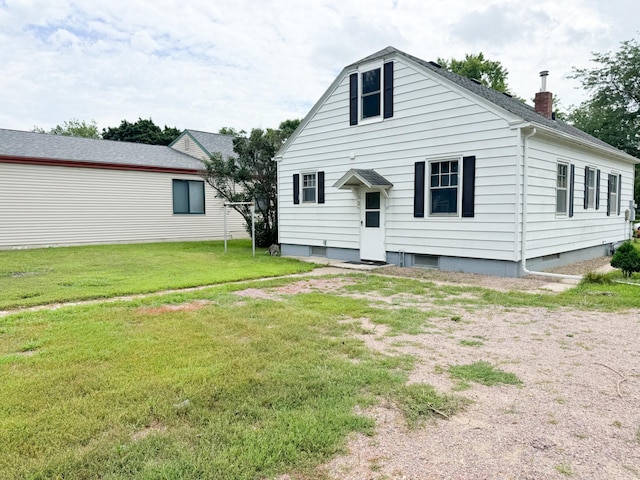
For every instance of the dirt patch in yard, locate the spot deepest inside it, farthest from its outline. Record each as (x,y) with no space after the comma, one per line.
(575,415)
(180,307)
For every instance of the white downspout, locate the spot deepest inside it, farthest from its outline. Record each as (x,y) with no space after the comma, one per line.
(525,183)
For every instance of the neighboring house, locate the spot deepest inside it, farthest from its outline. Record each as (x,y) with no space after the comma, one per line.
(401,161)
(202,144)
(58,190)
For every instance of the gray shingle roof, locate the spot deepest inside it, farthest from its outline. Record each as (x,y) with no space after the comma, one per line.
(46,146)
(502,100)
(214,142)
(360,176)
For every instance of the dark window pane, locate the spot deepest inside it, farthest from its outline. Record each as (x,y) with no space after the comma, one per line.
(371,81)
(444,200)
(454,180)
(435,181)
(196,197)
(372,200)
(371,105)
(309,194)
(180,196)
(372,219)
(445,167)
(435,168)
(454,167)
(445,180)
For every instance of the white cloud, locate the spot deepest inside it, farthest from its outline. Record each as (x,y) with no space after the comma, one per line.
(246,64)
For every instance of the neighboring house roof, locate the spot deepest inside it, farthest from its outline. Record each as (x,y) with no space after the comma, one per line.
(499,99)
(48,148)
(210,142)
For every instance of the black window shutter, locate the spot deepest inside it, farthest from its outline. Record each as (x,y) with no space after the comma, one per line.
(468,186)
(572,189)
(586,187)
(320,187)
(418,192)
(296,188)
(619,193)
(609,195)
(353,99)
(388,90)
(597,189)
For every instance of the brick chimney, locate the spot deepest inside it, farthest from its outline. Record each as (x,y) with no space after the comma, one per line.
(544,100)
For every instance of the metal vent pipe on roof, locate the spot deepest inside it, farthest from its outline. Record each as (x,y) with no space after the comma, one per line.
(543,77)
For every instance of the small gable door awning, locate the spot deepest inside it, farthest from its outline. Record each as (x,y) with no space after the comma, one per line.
(368,178)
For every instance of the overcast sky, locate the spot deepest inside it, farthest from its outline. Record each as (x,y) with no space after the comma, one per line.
(205,64)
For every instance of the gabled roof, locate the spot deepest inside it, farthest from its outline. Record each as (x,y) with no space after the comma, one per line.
(47,147)
(357,177)
(525,113)
(210,142)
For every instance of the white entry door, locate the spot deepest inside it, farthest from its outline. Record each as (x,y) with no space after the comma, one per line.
(372,235)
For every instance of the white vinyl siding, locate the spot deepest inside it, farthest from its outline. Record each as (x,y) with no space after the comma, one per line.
(49,205)
(430,122)
(434,120)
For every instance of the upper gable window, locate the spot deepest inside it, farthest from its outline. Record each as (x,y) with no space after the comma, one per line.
(371,93)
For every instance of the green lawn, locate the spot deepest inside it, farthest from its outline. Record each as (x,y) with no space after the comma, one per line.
(200,385)
(208,384)
(48,275)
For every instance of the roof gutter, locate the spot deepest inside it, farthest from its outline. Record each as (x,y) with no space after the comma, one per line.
(525,182)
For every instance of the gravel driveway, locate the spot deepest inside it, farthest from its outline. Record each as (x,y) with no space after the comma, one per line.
(576,415)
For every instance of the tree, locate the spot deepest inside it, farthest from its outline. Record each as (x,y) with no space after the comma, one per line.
(73,128)
(250,176)
(612,113)
(142,131)
(489,73)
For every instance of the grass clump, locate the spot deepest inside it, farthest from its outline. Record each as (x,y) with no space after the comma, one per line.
(484,373)
(419,402)
(596,278)
(471,343)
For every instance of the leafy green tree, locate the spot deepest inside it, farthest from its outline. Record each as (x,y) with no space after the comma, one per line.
(142,131)
(612,113)
(489,73)
(627,259)
(74,128)
(231,131)
(250,176)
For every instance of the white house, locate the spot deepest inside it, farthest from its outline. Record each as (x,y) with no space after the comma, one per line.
(57,190)
(401,161)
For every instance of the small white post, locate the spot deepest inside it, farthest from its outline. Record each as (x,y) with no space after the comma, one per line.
(253,228)
(225,227)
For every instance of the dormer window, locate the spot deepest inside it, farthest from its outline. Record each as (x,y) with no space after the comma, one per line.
(371,93)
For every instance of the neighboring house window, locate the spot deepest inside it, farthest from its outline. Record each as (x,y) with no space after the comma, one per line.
(444,187)
(188,197)
(308,188)
(562,188)
(371,94)
(589,187)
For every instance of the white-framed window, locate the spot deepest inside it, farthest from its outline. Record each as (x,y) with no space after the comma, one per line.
(309,184)
(371,93)
(443,187)
(562,188)
(612,201)
(188,197)
(590,187)
(186,143)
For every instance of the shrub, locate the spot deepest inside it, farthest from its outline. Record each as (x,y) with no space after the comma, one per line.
(627,259)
